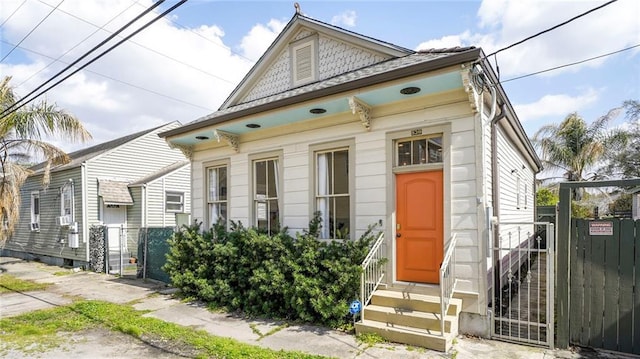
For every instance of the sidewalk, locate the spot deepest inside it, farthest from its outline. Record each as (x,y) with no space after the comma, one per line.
(310,339)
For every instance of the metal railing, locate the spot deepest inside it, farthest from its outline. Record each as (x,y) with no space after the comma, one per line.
(447,280)
(373,271)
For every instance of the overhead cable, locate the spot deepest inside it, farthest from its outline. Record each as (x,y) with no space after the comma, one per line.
(162,54)
(31,31)
(75,46)
(552,28)
(124,27)
(100,55)
(571,64)
(117,80)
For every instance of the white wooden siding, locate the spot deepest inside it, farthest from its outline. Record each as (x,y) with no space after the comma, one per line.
(129,162)
(48,240)
(176,181)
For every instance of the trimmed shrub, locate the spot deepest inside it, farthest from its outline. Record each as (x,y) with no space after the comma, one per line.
(278,276)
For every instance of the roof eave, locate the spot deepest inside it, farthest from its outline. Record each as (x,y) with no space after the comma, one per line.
(435,64)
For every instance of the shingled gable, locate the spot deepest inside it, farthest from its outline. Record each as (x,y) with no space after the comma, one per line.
(272,73)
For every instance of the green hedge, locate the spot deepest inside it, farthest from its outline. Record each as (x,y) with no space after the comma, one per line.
(297,278)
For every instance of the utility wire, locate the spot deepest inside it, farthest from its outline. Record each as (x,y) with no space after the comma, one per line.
(571,64)
(4,114)
(13,13)
(209,40)
(551,28)
(117,80)
(158,52)
(32,30)
(75,46)
(24,98)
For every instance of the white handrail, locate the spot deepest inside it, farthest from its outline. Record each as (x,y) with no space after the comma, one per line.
(373,271)
(448,280)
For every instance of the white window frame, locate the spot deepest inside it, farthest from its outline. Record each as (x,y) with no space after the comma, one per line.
(210,202)
(180,202)
(259,203)
(312,42)
(35,209)
(316,185)
(66,192)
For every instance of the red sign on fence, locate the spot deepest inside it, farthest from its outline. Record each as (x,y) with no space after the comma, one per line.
(601,228)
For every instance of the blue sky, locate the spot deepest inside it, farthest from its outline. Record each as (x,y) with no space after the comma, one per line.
(184,68)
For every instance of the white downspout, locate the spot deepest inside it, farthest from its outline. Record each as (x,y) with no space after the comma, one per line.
(85,211)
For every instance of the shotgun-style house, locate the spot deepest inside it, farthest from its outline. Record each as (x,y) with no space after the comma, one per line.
(364,131)
(130,182)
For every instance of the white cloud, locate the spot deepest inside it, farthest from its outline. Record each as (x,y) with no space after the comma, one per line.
(557,106)
(346,19)
(163,74)
(445,42)
(502,23)
(256,42)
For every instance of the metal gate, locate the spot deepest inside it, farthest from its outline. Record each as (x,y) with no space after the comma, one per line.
(121,250)
(522,296)
(604,311)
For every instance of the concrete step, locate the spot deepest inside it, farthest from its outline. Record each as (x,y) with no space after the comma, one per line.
(410,318)
(429,339)
(414,301)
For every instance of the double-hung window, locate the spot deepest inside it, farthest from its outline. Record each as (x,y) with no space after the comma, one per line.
(266,195)
(217,184)
(35,211)
(332,192)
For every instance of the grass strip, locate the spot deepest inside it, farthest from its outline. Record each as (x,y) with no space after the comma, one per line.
(27,332)
(9,283)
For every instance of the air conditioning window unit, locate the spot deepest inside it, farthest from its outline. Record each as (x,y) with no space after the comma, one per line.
(35,226)
(64,220)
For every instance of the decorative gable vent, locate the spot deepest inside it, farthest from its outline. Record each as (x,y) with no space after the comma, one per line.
(303,64)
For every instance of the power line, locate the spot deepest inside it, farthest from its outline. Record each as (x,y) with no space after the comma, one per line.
(24,98)
(552,28)
(208,39)
(117,80)
(32,30)
(103,53)
(75,46)
(13,13)
(158,52)
(571,64)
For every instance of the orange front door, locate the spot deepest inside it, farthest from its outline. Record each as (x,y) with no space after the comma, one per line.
(419,226)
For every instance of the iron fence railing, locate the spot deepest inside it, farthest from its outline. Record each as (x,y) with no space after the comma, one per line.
(448,280)
(373,271)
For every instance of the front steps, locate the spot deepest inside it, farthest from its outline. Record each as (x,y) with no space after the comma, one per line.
(410,318)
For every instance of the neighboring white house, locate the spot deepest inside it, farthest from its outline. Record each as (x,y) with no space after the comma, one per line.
(366,132)
(134,181)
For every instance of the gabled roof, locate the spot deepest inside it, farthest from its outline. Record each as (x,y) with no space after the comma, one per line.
(159,174)
(296,23)
(406,66)
(80,156)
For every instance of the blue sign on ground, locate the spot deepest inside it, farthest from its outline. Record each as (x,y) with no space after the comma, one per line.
(355,307)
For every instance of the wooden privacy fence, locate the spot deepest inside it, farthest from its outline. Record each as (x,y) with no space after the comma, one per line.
(604,305)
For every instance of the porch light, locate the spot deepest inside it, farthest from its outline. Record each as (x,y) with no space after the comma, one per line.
(410,90)
(317,111)
(201,138)
(253,125)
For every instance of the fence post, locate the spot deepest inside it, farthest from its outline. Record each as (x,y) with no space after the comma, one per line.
(562,271)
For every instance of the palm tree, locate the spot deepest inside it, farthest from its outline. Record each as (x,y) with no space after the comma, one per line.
(22,134)
(575,148)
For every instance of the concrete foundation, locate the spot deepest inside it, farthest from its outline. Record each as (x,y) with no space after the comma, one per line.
(475,324)
(56,261)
